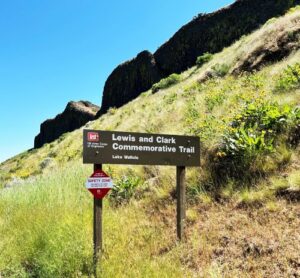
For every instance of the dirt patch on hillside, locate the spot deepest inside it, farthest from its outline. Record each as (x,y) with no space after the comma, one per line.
(236,242)
(253,243)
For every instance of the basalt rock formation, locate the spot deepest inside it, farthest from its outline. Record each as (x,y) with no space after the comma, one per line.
(133,77)
(75,115)
(205,33)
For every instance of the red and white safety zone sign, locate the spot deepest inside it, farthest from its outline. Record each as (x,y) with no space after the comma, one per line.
(99,184)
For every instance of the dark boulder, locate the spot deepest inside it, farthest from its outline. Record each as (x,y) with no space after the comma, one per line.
(205,33)
(75,115)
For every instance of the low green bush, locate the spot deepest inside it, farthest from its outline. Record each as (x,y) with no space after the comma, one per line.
(294,133)
(166,82)
(253,135)
(267,116)
(214,99)
(220,70)
(169,99)
(203,59)
(124,189)
(246,143)
(289,79)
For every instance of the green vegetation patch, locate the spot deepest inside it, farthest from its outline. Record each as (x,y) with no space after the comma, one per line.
(46,231)
(215,99)
(261,129)
(166,82)
(42,227)
(220,70)
(124,189)
(203,59)
(289,79)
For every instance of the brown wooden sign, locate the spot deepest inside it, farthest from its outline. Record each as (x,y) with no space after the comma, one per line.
(114,147)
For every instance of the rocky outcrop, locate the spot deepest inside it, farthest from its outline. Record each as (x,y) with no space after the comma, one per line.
(279,43)
(75,115)
(205,33)
(128,80)
(212,32)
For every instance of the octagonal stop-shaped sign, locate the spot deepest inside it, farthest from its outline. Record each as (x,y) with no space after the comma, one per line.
(99,184)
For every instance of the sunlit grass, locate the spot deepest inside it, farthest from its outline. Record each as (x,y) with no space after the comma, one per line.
(46,217)
(46,231)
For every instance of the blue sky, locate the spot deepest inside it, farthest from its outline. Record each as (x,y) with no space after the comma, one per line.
(54,51)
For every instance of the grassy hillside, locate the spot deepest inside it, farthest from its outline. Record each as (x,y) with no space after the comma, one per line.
(243,203)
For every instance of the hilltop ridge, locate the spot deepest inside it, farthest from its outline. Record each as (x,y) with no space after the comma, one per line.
(205,33)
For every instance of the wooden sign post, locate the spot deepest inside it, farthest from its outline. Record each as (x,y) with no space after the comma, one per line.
(114,147)
(181,200)
(98,184)
(97,227)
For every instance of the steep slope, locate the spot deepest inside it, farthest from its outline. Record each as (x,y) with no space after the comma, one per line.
(244,225)
(206,33)
(155,111)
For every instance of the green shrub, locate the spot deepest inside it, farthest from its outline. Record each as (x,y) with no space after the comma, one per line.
(124,189)
(191,116)
(267,116)
(294,134)
(270,21)
(166,82)
(169,99)
(293,9)
(289,79)
(203,59)
(214,100)
(253,136)
(220,70)
(253,81)
(246,143)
